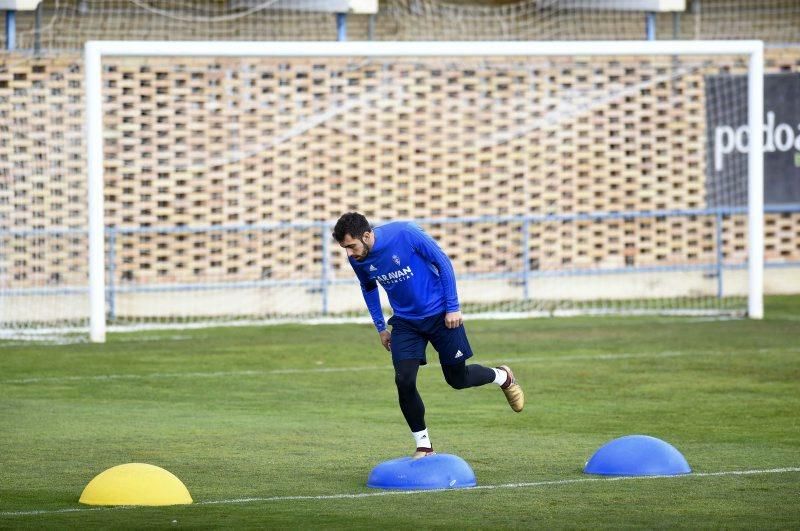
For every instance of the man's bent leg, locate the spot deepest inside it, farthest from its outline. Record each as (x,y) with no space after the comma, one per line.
(454,349)
(462,376)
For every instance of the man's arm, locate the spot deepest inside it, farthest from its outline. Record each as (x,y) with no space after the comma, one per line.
(427,248)
(373,300)
(369,289)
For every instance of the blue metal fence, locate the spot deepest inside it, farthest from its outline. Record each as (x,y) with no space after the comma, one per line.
(325,281)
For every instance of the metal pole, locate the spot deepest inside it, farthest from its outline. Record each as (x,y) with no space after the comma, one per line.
(110,290)
(37,30)
(755,185)
(341,27)
(94,167)
(371,27)
(526,267)
(719,255)
(325,268)
(11,30)
(417,48)
(650,25)
(676,25)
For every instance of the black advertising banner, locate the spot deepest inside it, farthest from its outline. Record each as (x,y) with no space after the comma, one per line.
(729,139)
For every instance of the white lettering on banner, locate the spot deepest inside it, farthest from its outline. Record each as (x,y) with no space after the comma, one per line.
(780,137)
(395,276)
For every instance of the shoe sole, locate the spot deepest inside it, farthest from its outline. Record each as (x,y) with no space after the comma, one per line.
(420,455)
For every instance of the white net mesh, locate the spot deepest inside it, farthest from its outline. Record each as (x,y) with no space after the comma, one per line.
(67,24)
(43,274)
(556,185)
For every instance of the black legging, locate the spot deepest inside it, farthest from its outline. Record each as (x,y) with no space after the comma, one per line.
(462,376)
(459,376)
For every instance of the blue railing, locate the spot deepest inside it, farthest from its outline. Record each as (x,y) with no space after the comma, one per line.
(324,281)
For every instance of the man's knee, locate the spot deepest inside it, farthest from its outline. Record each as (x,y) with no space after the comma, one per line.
(405,381)
(405,376)
(458,384)
(456,377)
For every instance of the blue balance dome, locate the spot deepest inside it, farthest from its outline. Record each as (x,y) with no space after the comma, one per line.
(437,471)
(637,455)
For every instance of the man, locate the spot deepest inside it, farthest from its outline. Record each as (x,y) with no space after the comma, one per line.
(419,280)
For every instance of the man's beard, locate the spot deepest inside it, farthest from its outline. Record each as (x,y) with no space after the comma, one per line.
(362,257)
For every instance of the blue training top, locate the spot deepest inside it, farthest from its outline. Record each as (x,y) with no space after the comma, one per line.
(415,273)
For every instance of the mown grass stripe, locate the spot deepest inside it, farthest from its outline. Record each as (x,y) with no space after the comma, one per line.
(323,370)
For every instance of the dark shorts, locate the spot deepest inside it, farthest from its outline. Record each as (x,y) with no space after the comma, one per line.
(410,337)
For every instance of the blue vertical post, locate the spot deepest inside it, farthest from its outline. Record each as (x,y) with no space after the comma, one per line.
(37,30)
(341,26)
(325,268)
(112,256)
(11,30)
(719,254)
(526,266)
(676,25)
(650,24)
(371,28)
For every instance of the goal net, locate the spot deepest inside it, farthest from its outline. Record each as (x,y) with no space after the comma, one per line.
(67,24)
(560,178)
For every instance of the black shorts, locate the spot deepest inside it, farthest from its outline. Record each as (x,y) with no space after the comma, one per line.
(410,337)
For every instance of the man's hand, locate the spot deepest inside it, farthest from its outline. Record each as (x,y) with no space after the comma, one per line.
(386,340)
(453,319)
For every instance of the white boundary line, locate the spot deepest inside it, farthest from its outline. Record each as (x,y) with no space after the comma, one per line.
(359,495)
(384,367)
(77,334)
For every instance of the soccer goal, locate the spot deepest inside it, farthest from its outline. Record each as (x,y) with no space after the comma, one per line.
(560,178)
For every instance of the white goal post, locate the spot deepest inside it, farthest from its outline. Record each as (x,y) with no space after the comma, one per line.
(95,51)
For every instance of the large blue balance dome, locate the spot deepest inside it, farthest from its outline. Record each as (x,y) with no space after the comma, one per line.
(637,455)
(437,471)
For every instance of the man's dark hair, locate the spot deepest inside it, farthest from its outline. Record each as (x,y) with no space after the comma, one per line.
(352,223)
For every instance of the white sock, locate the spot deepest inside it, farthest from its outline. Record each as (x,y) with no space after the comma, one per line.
(500,376)
(423,441)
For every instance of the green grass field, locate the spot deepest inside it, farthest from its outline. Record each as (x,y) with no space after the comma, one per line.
(279,426)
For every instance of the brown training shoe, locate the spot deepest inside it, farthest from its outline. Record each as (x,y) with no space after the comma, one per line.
(512,390)
(422,452)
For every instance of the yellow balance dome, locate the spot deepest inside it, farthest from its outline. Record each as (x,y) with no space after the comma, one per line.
(135,484)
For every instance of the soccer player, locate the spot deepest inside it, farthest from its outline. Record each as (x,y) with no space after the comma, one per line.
(419,280)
